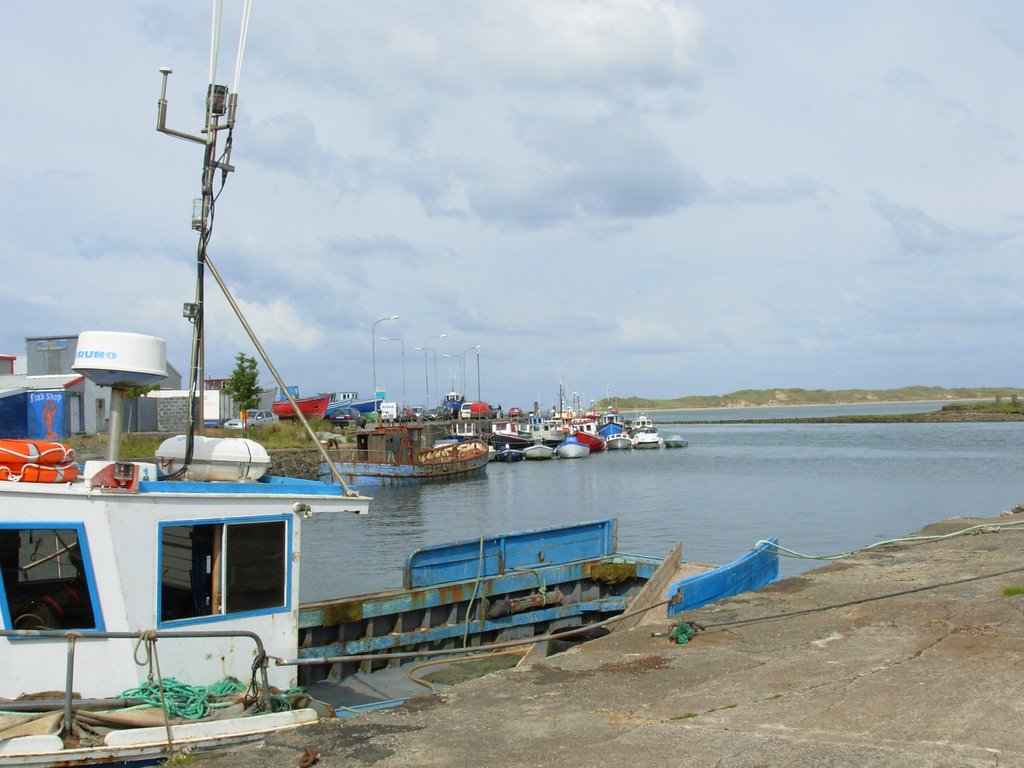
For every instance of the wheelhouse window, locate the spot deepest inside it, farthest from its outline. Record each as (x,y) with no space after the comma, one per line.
(46,578)
(216,569)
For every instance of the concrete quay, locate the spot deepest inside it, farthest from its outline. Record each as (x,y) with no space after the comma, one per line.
(903,655)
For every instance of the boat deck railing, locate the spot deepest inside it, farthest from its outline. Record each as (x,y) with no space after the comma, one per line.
(71,637)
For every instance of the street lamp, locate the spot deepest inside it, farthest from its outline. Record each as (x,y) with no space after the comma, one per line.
(477,348)
(451,373)
(405,402)
(426,370)
(478,373)
(373,354)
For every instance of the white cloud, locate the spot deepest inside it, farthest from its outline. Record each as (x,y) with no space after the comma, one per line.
(661,197)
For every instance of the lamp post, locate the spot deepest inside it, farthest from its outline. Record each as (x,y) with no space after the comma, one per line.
(478,373)
(373,354)
(451,373)
(477,348)
(405,402)
(426,370)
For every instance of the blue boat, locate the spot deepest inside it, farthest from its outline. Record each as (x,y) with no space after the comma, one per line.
(509,454)
(516,589)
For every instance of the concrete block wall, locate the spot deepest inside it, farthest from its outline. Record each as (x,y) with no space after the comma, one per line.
(172,414)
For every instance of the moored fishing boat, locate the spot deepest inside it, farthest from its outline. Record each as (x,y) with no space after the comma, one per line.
(618,441)
(509,455)
(132,575)
(507,434)
(394,454)
(644,434)
(505,592)
(539,451)
(545,430)
(191,556)
(572,447)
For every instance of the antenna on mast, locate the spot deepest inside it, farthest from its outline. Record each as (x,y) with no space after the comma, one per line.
(220,116)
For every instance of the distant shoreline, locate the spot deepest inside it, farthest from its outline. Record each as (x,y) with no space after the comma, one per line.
(806,405)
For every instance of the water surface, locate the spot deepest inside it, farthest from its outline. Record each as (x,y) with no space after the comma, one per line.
(821,488)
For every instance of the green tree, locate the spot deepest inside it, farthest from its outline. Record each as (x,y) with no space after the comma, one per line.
(244,384)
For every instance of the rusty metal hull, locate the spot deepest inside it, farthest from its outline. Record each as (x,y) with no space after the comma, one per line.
(469,594)
(394,455)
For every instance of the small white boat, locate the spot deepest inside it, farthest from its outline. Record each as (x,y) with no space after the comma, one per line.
(675,442)
(618,442)
(644,434)
(647,438)
(572,448)
(539,451)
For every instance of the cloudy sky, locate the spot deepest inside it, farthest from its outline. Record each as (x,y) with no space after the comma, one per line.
(637,198)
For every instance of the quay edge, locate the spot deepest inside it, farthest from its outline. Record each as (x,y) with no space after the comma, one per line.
(901,655)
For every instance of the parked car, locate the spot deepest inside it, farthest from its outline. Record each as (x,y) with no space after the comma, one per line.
(254,417)
(514,412)
(346,416)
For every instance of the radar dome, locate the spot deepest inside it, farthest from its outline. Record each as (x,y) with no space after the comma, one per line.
(115,359)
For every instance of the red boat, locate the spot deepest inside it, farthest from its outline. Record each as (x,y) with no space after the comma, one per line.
(312,407)
(586,432)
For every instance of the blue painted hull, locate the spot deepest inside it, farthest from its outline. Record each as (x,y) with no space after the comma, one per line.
(365,474)
(753,570)
(482,591)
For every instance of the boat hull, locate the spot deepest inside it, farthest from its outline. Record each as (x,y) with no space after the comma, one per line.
(311,407)
(539,452)
(509,455)
(491,584)
(571,450)
(389,457)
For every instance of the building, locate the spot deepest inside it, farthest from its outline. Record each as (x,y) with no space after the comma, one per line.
(50,401)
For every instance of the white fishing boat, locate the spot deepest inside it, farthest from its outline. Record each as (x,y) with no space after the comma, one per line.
(127,582)
(618,441)
(644,434)
(572,448)
(539,452)
(120,576)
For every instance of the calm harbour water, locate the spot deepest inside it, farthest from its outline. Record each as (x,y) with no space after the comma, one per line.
(821,488)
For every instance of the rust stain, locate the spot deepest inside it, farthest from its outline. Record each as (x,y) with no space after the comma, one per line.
(342,613)
(613,573)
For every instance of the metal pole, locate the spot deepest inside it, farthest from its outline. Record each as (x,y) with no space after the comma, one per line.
(373,354)
(478,373)
(436,390)
(426,370)
(477,348)
(405,401)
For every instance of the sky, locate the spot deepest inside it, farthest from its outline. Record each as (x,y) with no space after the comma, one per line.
(647,198)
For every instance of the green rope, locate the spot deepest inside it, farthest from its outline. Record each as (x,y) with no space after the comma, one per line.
(191,702)
(683,631)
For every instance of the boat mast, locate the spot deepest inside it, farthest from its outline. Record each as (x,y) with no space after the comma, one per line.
(221,104)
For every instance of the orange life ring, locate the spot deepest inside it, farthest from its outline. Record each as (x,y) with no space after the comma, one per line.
(36,473)
(37,461)
(44,452)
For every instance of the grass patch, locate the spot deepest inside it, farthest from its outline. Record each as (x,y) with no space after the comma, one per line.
(279,435)
(1011,591)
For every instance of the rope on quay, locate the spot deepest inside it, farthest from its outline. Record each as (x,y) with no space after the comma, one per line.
(860,601)
(764,544)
